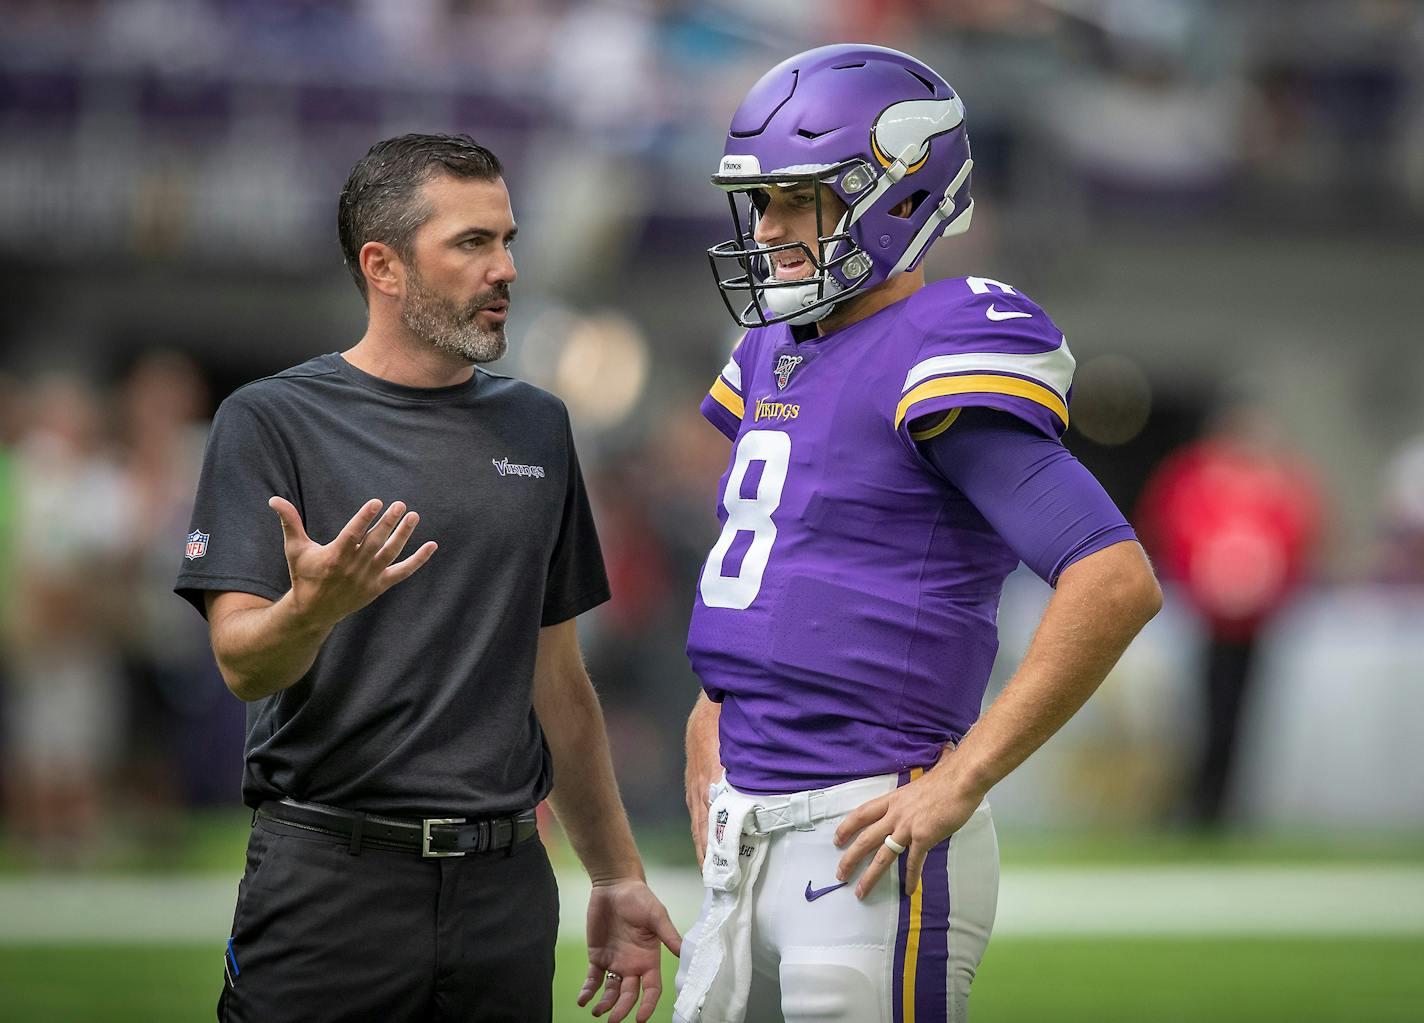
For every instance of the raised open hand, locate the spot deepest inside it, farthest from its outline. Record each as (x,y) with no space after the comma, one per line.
(330,581)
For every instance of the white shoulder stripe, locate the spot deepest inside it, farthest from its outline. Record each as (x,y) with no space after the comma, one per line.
(732,373)
(1052,369)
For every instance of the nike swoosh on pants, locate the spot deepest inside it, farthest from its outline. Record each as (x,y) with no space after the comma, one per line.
(812,894)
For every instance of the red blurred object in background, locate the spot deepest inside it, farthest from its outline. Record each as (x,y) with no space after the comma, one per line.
(1236,525)
(1233,519)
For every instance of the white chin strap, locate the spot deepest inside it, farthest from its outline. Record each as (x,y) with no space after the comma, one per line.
(784,301)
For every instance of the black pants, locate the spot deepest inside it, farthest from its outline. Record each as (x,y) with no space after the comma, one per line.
(320,934)
(1228,674)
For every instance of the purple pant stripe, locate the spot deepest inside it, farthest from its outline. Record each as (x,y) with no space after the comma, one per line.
(932,972)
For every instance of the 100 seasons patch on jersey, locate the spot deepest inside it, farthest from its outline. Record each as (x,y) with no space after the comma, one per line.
(784,368)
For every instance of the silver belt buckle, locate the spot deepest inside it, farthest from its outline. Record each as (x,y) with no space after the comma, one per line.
(425,836)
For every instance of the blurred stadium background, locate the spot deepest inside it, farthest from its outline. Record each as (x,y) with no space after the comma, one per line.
(1221,204)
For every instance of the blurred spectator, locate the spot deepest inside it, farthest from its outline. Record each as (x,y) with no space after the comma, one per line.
(11,422)
(175,705)
(1150,118)
(1233,519)
(63,696)
(1403,513)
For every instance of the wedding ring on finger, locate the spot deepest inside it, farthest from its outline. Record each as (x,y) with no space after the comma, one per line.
(894,846)
(614,976)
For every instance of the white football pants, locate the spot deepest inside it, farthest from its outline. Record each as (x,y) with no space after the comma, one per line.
(819,953)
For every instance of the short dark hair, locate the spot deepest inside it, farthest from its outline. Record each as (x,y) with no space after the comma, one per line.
(380,200)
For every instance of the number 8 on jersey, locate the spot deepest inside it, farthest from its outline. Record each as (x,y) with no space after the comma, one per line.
(753,514)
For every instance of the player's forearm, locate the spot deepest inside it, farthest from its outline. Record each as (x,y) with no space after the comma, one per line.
(704,761)
(262,650)
(1101,603)
(585,797)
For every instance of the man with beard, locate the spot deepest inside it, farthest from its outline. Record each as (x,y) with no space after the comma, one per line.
(405,715)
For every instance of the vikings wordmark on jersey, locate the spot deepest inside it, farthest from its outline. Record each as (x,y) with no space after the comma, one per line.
(842,648)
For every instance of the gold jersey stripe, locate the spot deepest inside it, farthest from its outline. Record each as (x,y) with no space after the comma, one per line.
(912,940)
(983,383)
(729,399)
(938,428)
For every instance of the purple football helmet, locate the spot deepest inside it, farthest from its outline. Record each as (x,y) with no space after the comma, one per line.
(875,126)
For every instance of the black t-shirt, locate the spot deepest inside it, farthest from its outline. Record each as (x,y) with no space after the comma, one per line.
(420,704)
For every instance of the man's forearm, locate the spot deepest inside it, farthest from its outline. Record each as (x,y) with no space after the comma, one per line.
(704,766)
(1101,603)
(262,650)
(704,762)
(585,797)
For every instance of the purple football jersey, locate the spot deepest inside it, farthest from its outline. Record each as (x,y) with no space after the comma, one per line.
(846,617)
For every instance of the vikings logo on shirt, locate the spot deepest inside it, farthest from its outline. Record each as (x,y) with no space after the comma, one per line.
(775,410)
(721,824)
(197,544)
(784,367)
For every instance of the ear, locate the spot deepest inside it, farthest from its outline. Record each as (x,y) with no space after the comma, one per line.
(383,268)
(904,208)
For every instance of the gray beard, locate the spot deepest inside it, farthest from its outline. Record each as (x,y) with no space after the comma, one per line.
(449,327)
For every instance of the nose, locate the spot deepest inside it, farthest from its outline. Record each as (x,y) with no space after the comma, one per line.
(770,227)
(502,271)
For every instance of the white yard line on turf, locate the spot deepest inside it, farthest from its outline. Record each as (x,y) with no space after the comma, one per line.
(1143,901)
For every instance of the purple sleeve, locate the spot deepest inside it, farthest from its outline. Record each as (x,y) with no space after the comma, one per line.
(717,413)
(1045,505)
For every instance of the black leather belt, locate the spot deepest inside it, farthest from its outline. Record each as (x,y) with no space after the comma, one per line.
(432,837)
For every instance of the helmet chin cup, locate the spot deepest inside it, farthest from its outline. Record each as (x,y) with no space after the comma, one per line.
(786,303)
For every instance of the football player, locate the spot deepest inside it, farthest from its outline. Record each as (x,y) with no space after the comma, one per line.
(895,454)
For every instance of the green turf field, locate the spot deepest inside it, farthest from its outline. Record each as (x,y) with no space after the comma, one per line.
(1029,976)
(1023,980)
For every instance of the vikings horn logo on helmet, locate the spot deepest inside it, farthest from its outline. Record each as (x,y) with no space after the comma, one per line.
(905,130)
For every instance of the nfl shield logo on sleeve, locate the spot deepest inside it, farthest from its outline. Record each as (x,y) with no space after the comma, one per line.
(197,544)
